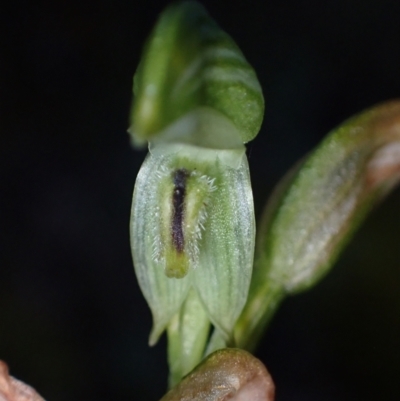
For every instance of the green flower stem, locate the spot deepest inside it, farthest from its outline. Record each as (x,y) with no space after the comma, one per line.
(264,300)
(187,337)
(217,341)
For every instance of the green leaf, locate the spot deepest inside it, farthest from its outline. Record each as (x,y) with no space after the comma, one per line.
(193,84)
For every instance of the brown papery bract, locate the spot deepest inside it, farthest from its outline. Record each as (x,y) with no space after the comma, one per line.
(228,374)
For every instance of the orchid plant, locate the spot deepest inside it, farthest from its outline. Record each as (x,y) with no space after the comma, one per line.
(211,283)
(197,102)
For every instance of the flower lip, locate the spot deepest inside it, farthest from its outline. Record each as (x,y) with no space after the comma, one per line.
(178,201)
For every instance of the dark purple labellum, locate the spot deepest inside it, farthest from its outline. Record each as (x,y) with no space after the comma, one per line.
(178,202)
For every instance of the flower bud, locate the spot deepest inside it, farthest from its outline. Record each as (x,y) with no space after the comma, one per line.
(330,194)
(316,209)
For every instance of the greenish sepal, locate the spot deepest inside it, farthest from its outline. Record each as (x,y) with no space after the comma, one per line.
(163,295)
(223,277)
(190,66)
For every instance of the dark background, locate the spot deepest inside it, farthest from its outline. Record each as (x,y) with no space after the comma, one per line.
(72,320)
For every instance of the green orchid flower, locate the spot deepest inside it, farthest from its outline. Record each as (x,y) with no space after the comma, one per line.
(197,101)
